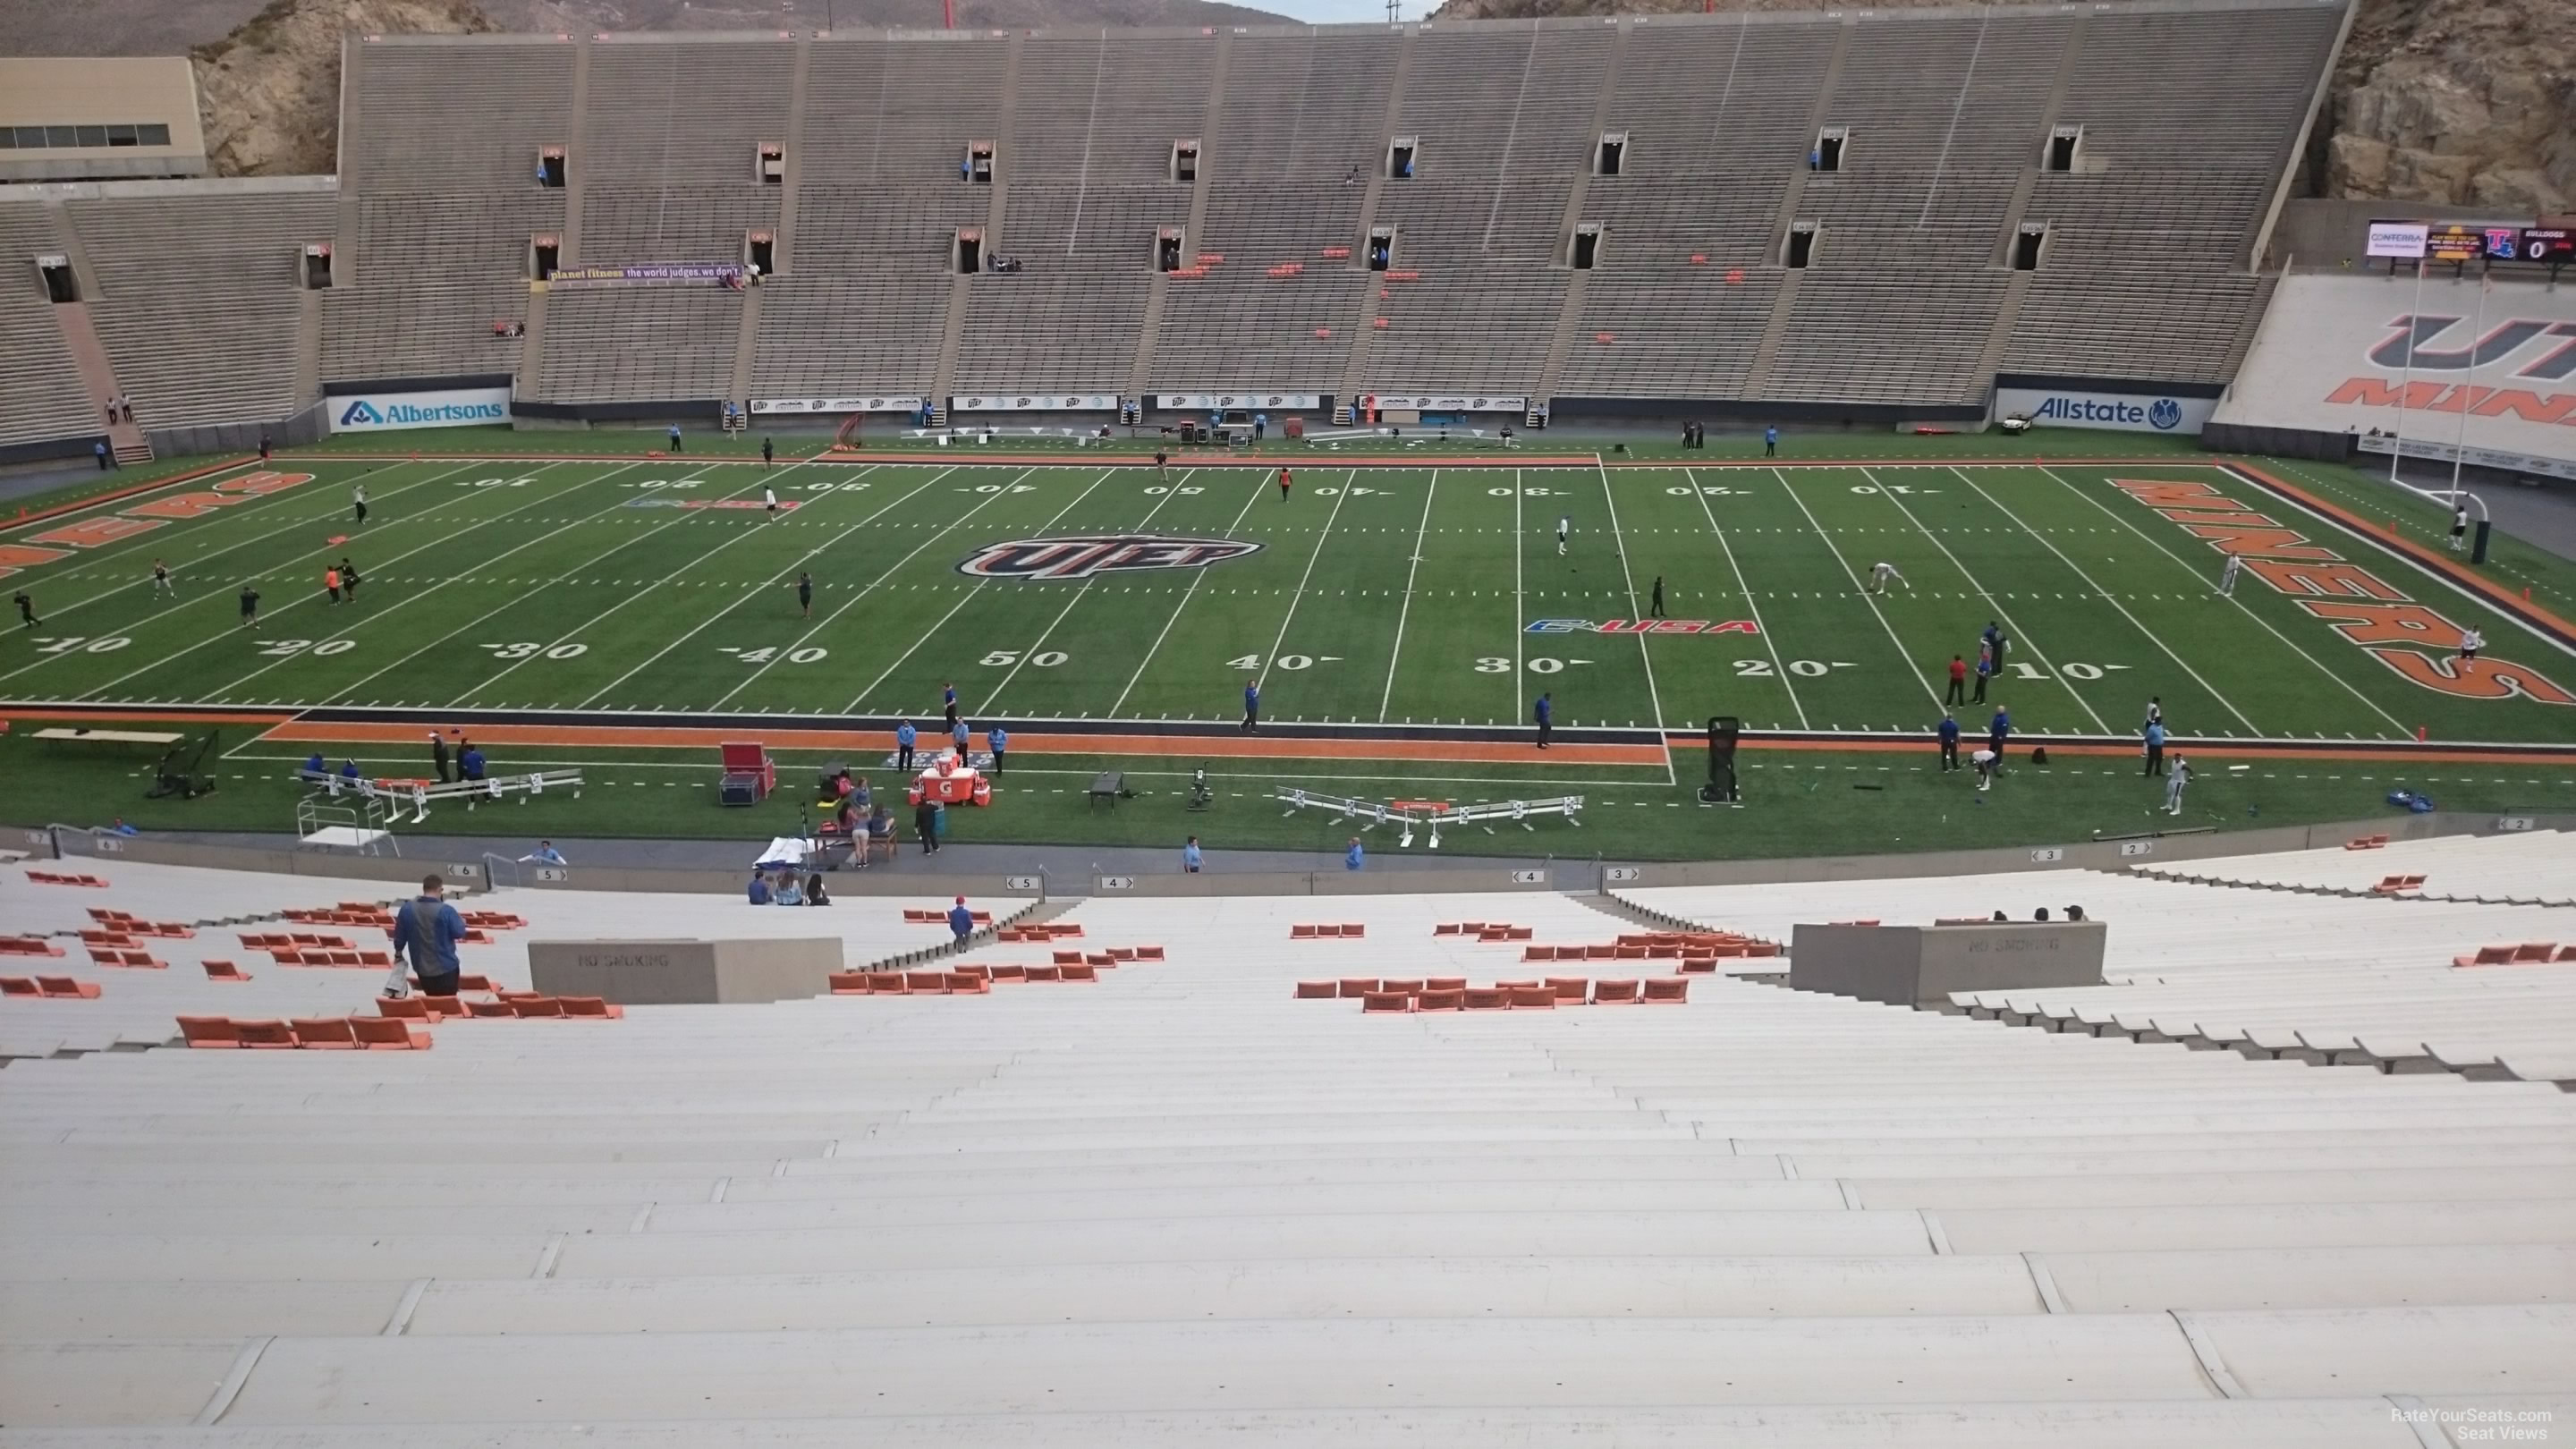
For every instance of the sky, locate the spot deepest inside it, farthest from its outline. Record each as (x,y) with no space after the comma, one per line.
(1341,12)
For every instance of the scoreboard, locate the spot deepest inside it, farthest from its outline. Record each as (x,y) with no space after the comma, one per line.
(2548,245)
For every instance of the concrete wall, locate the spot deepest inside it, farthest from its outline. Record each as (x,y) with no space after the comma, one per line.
(661,972)
(1922,965)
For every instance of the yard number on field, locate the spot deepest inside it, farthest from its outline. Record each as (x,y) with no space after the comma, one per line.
(288,648)
(82,643)
(2024,669)
(528,650)
(1497,664)
(1284,661)
(1805,668)
(807,655)
(1045,659)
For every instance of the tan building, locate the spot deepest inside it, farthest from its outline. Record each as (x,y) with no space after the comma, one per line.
(71,119)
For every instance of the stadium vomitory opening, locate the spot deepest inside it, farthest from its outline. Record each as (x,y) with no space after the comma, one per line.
(750,735)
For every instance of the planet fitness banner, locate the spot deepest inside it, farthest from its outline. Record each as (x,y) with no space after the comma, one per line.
(647,274)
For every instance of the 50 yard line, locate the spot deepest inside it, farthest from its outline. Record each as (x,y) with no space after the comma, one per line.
(1079,592)
(1396,656)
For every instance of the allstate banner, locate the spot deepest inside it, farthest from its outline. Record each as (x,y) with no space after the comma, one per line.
(451,408)
(644,273)
(811,405)
(1201,402)
(2119,412)
(1040,402)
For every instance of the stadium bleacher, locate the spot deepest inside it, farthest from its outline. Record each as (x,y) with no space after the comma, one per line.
(1177,1202)
(2188,113)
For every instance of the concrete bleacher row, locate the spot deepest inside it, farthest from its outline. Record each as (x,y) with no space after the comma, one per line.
(2319,979)
(2526,868)
(1178,1205)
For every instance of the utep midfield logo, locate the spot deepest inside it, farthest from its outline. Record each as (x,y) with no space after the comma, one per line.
(1643,626)
(1080,556)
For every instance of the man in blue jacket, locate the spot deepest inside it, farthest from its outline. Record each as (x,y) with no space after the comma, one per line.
(1998,730)
(903,738)
(427,929)
(1251,705)
(961,922)
(1949,742)
(1544,714)
(2155,748)
(759,894)
(1000,740)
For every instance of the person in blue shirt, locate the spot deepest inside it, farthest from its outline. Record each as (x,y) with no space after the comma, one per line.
(787,894)
(948,703)
(1949,742)
(759,893)
(903,738)
(999,741)
(1260,425)
(469,763)
(1251,705)
(1996,639)
(1190,856)
(313,764)
(428,929)
(1985,671)
(2155,733)
(545,854)
(348,769)
(860,797)
(675,437)
(961,922)
(963,738)
(1998,730)
(1770,441)
(1544,712)
(1353,857)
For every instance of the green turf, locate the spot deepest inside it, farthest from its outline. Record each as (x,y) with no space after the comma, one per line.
(1384,594)
(1797,803)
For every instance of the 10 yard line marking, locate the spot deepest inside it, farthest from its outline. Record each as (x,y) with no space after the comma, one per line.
(1406,612)
(1982,592)
(1004,491)
(233,630)
(1349,479)
(2144,537)
(1170,492)
(1654,696)
(926,635)
(177,603)
(750,594)
(1259,481)
(1866,596)
(2223,700)
(1779,670)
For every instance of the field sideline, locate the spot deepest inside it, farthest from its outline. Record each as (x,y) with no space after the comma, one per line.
(1426,600)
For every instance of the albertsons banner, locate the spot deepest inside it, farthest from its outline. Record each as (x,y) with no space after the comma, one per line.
(453,408)
(2117,411)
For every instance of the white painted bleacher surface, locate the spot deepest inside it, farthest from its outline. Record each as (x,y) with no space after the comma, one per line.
(1178,1206)
(2535,867)
(2282,971)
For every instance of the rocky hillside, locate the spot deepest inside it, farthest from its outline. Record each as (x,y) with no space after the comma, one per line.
(2469,102)
(270,91)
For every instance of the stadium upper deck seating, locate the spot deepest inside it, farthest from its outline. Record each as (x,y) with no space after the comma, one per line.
(1179,1203)
(2188,111)
(40,392)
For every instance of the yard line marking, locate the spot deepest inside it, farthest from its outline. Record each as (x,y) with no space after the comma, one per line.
(175,602)
(1260,480)
(2228,704)
(232,630)
(968,595)
(1406,612)
(1003,491)
(1079,593)
(1866,596)
(1349,478)
(751,591)
(2158,544)
(1654,696)
(1779,670)
(2063,680)
(350,689)
(1520,614)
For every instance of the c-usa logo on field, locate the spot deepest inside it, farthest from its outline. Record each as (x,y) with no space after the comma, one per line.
(1079,556)
(2165,413)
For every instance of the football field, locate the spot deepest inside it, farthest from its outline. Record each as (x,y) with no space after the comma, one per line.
(1377,599)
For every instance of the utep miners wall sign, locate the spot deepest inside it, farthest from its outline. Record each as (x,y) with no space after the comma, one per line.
(1080,556)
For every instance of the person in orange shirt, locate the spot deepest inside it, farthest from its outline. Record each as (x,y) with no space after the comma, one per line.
(1284,481)
(331,582)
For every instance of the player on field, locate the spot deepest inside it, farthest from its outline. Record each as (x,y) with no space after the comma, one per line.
(2155,709)
(768,453)
(2174,784)
(349,578)
(805,593)
(26,610)
(2471,641)
(1879,575)
(1162,465)
(161,578)
(249,607)
(1284,481)
(1656,611)
(2227,575)
(331,582)
(2459,528)
(358,500)
(1564,526)
(769,500)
